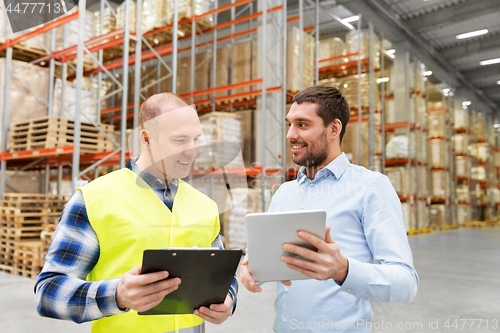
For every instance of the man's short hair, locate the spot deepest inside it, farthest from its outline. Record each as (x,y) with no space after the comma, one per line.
(155,106)
(331,104)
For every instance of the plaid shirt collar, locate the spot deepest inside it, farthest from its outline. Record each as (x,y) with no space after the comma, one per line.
(148,178)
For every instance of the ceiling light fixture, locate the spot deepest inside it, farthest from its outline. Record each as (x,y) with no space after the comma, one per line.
(490,62)
(472,34)
(427,73)
(498,82)
(385,79)
(351,19)
(467,103)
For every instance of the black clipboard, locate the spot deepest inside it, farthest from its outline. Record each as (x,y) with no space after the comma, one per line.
(206,276)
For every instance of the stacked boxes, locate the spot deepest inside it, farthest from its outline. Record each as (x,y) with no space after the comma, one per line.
(23,217)
(244,64)
(397,175)
(293,59)
(352,41)
(438,216)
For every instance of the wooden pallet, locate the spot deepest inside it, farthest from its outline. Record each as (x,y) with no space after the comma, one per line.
(51,132)
(29,253)
(26,270)
(454,226)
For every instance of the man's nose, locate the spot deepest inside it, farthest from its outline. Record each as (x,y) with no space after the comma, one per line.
(292,133)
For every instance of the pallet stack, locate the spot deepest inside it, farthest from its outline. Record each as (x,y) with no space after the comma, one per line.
(51,132)
(23,219)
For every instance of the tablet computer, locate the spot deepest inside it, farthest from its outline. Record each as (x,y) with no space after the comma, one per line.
(266,234)
(206,275)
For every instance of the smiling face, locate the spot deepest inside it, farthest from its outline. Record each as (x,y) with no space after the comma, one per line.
(172,144)
(312,142)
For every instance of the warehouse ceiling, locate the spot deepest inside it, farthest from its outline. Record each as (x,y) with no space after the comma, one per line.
(431,27)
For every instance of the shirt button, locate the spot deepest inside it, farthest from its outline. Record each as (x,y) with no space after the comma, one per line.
(302,207)
(284,320)
(368,299)
(312,185)
(286,290)
(348,290)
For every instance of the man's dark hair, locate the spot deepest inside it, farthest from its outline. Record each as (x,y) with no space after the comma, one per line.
(331,104)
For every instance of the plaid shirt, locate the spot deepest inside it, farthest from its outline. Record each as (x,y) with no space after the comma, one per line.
(61,288)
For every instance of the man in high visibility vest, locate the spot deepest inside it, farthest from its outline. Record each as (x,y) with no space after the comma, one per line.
(92,268)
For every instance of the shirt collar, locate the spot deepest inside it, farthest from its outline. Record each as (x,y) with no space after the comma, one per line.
(336,167)
(148,178)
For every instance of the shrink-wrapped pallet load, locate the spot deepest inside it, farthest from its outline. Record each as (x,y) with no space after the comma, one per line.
(108,22)
(120,15)
(438,184)
(154,14)
(331,48)
(439,155)
(461,119)
(462,168)
(437,125)
(352,41)
(460,143)
(24,104)
(351,92)
(186,9)
(293,59)
(479,127)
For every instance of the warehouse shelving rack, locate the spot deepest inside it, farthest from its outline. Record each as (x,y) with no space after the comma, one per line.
(461,179)
(71,62)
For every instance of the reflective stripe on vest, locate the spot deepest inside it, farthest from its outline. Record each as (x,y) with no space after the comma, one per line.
(128,218)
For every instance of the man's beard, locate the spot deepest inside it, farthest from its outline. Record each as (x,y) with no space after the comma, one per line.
(314,158)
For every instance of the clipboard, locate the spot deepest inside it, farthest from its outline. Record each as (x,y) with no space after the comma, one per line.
(206,275)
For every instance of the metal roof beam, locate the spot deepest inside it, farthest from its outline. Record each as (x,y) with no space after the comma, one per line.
(396,30)
(467,49)
(482,72)
(457,13)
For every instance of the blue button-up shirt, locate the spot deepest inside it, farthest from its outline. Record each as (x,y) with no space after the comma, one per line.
(366,221)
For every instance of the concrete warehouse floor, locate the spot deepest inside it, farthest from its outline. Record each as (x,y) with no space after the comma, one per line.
(459,279)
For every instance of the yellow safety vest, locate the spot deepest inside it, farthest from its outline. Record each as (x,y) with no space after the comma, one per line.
(129,218)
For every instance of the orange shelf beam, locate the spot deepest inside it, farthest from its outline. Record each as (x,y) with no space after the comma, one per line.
(35,153)
(44,28)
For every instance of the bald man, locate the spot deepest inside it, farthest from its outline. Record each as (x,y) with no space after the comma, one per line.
(92,268)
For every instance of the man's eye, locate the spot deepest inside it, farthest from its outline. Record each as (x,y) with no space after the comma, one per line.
(179,141)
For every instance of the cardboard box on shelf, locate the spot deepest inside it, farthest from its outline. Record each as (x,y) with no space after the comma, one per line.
(244,64)
(398,178)
(438,216)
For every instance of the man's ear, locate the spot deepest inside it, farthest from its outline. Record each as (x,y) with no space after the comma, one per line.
(335,128)
(145,138)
